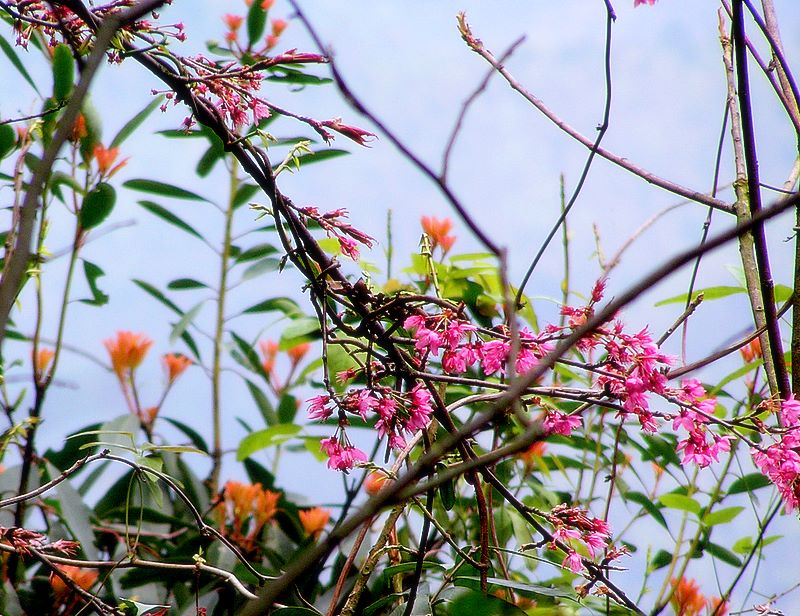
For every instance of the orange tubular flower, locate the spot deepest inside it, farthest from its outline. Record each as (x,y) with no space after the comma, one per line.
(42,361)
(105,159)
(278,26)
(687,600)
(269,349)
(532,454)
(127,351)
(175,365)
(314,520)
(296,353)
(751,351)
(84,578)
(438,231)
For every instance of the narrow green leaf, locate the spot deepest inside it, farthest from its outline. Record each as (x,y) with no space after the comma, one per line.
(265,266)
(97,205)
(251,357)
(708,294)
(152,291)
(165,214)
(209,160)
(680,502)
(181,284)
(269,437)
(661,559)
(194,436)
(244,193)
(298,331)
(256,252)
(185,321)
(647,504)
(135,122)
(189,341)
(287,306)
(262,402)
(256,22)
(723,554)
(14,59)
(287,409)
(63,72)
(92,273)
(722,516)
(163,189)
(749,483)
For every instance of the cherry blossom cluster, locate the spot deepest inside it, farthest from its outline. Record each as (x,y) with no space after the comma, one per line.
(780,462)
(346,234)
(397,415)
(574,525)
(57,19)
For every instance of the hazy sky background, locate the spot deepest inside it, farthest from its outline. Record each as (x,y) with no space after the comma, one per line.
(408,64)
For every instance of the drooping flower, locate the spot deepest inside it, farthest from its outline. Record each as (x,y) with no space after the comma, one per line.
(639,2)
(556,422)
(127,351)
(318,407)
(573,562)
(342,456)
(175,365)
(314,520)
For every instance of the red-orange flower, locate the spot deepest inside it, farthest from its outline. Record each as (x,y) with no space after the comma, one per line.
(233,22)
(278,26)
(297,352)
(751,351)
(79,128)
(687,600)
(314,520)
(83,578)
(175,365)
(269,349)
(246,508)
(532,454)
(105,159)
(127,351)
(438,231)
(42,361)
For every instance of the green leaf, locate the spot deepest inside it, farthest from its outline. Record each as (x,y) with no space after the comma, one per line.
(708,294)
(14,59)
(722,516)
(153,292)
(723,554)
(287,306)
(256,22)
(782,293)
(197,440)
(8,138)
(294,611)
(287,409)
(244,193)
(256,252)
(264,266)
(135,122)
(476,603)
(163,189)
(749,483)
(300,330)
(320,156)
(180,284)
(251,357)
(661,559)
(134,608)
(97,205)
(647,504)
(63,72)
(680,502)
(284,74)
(262,402)
(537,589)
(74,513)
(269,437)
(185,321)
(168,216)
(209,160)
(92,273)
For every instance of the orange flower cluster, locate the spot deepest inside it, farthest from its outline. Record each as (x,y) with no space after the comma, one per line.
(105,160)
(244,510)
(532,455)
(751,351)
(687,600)
(314,520)
(127,351)
(175,365)
(438,231)
(64,595)
(270,350)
